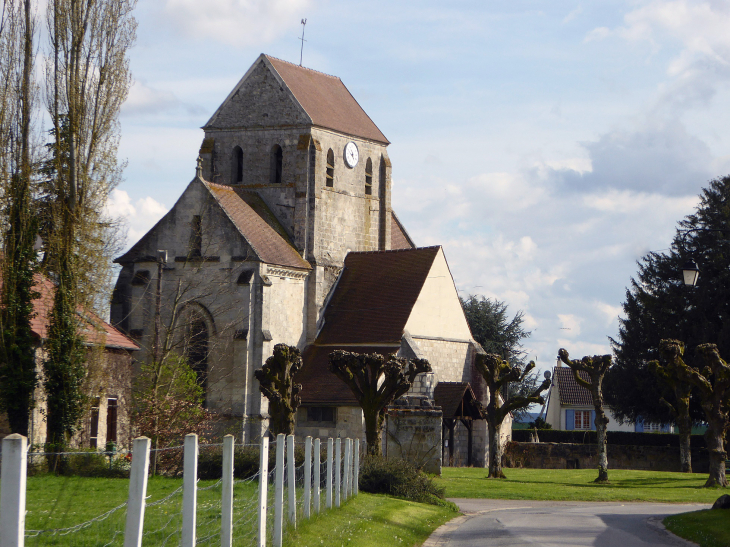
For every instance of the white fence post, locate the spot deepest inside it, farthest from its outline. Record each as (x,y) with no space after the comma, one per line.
(190,490)
(292,479)
(137,492)
(317,477)
(307,476)
(347,477)
(279,493)
(12,492)
(329,473)
(263,489)
(356,474)
(338,469)
(227,497)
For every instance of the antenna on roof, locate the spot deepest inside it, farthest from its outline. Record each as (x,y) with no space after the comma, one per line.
(301,53)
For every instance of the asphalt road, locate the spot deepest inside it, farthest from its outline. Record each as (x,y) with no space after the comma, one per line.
(514,523)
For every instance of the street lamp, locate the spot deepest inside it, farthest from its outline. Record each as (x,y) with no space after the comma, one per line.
(690,273)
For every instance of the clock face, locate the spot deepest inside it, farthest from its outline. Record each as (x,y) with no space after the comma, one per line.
(351,154)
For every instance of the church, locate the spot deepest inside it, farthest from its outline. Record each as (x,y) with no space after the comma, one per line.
(286,235)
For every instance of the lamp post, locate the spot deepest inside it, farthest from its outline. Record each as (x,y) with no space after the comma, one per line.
(690,273)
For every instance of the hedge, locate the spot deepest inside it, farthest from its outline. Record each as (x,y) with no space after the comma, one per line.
(627,438)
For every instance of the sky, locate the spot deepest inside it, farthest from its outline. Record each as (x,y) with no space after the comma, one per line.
(547,146)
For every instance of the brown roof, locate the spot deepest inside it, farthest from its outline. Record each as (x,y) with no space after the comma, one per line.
(268,244)
(319,385)
(327,101)
(571,393)
(399,238)
(450,396)
(95,332)
(374,296)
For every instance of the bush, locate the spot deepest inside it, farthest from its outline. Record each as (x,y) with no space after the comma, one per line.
(627,438)
(245,461)
(89,463)
(400,478)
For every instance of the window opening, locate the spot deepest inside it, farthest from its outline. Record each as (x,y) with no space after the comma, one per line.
(330,175)
(582,419)
(196,237)
(237,165)
(94,424)
(111,419)
(277,159)
(318,414)
(197,350)
(369,178)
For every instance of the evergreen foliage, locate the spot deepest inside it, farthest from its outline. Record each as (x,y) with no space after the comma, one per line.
(492,328)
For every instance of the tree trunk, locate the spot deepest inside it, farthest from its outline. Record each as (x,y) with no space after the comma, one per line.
(714,442)
(684,427)
(373,428)
(601,427)
(495,450)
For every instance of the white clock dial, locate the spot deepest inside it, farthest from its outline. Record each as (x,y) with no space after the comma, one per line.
(351,154)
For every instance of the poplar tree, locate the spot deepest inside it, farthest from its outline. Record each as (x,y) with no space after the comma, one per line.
(87,80)
(18,92)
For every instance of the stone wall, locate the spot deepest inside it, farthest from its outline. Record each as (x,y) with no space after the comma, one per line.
(415,435)
(585,456)
(348,423)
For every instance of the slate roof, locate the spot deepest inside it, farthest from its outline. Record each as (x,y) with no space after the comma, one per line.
(327,101)
(270,245)
(449,396)
(319,385)
(399,238)
(570,392)
(375,295)
(96,330)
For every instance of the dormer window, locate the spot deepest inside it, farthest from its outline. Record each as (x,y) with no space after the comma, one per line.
(369,177)
(277,159)
(237,165)
(330,175)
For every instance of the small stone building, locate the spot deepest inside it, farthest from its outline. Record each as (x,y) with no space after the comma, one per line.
(286,235)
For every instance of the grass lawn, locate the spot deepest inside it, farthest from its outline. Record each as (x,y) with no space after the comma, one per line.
(578,485)
(709,528)
(371,521)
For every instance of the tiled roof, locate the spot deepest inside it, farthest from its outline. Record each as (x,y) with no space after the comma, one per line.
(571,393)
(450,395)
(319,385)
(375,295)
(327,101)
(95,332)
(399,238)
(269,245)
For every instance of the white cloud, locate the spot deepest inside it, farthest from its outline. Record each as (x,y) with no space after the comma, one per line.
(143,99)
(141,215)
(570,324)
(235,22)
(611,312)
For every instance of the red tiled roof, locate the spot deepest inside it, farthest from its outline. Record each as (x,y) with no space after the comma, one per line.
(327,101)
(374,296)
(96,330)
(267,243)
(399,238)
(571,393)
(319,385)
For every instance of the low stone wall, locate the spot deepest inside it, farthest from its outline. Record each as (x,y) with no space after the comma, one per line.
(414,434)
(585,456)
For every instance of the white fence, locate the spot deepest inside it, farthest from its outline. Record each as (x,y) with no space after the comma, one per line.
(285,491)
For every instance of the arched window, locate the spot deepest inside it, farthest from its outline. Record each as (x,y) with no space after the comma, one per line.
(369,177)
(196,348)
(330,175)
(237,165)
(277,158)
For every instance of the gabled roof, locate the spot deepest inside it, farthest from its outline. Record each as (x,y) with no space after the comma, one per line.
(324,98)
(571,393)
(375,295)
(399,238)
(95,332)
(457,400)
(269,244)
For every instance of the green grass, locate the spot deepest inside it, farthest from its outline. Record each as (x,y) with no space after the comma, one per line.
(709,528)
(370,520)
(578,485)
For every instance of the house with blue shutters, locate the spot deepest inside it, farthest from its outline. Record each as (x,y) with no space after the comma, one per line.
(570,407)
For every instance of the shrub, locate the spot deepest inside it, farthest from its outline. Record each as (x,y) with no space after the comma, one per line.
(245,461)
(400,478)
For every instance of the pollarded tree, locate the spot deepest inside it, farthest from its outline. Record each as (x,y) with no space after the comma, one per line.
(498,374)
(276,382)
(595,367)
(376,381)
(713,383)
(668,373)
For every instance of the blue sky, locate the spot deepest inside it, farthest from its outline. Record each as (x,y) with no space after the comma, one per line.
(546,145)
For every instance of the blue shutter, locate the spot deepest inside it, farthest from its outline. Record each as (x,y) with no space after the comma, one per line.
(570,419)
(639,425)
(593,420)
